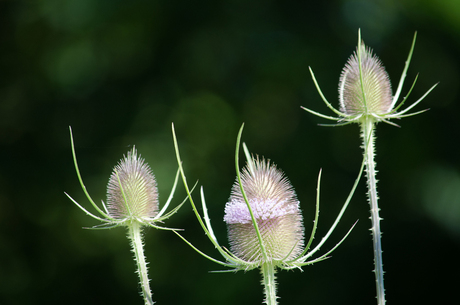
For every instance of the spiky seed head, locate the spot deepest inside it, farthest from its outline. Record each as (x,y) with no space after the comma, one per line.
(132,189)
(276,210)
(373,94)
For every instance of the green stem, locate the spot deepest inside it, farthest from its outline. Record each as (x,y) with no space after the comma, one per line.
(134,234)
(268,275)
(367,129)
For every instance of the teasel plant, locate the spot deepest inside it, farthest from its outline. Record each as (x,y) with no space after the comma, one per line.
(264,221)
(132,202)
(365,97)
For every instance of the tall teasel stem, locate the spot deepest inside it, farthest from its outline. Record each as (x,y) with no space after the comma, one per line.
(135,235)
(269,281)
(132,201)
(365,98)
(368,130)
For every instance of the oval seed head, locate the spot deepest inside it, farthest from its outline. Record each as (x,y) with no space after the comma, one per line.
(372,95)
(132,190)
(276,209)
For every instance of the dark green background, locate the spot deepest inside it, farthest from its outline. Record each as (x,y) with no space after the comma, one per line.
(119,72)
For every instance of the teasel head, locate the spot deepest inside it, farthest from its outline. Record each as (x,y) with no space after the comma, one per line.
(132,194)
(264,221)
(265,225)
(276,210)
(364,86)
(365,93)
(132,190)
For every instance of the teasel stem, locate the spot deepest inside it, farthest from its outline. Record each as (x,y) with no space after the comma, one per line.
(135,235)
(367,129)
(269,281)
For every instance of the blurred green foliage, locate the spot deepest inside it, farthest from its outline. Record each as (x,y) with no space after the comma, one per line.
(119,72)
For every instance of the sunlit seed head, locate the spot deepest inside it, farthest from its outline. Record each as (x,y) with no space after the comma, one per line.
(133,178)
(276,210)
(372,95)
